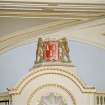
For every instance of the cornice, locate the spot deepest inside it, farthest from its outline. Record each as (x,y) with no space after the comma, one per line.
(51,10)
(5,96)
(55,1)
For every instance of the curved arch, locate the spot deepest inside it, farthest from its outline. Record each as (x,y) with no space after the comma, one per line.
(51,85)
(28,36)
(40,72)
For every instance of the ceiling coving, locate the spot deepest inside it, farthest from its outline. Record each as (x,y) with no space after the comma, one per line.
(59,15)
(78,11)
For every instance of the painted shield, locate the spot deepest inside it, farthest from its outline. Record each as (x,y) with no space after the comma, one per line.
(51,50)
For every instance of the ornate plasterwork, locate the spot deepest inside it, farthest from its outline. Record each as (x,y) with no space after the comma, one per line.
(52,50)
(5,97)
(52,99)
(41,71)
(69,14)
(54,86)
(52,10)
(28,36)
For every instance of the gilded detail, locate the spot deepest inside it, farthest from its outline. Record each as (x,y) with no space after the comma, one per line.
(52,50)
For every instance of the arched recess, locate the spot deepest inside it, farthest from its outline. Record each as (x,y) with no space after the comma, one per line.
(47,30)
(58,78)
(56,86)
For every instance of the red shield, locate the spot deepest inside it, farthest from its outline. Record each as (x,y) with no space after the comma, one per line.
(50,51)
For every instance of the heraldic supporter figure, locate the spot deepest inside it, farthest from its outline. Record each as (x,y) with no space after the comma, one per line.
(64,56)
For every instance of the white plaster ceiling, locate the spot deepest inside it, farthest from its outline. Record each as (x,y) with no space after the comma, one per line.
(9,25)
(24,20)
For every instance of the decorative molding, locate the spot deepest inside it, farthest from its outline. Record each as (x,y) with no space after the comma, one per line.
(51,85)
(28,36)
(19,38)
(58,10)
(68,14)
(5,97)
(59,1)
(37,72)
(51,64)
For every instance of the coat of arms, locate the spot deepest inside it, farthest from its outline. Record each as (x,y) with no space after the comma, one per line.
(52,50)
